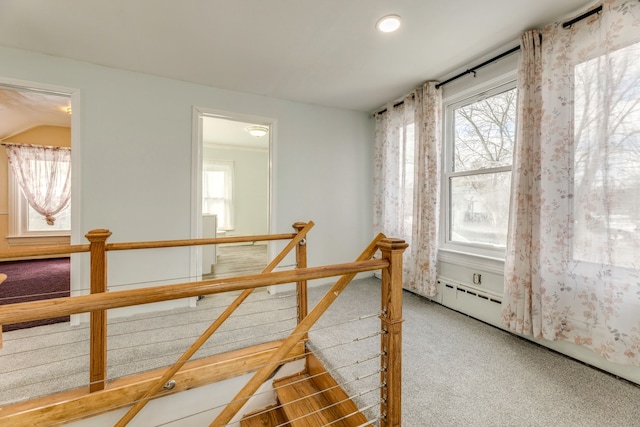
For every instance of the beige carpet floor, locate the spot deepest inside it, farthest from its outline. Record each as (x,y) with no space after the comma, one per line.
(456,371)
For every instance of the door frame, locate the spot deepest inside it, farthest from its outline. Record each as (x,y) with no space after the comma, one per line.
(195,269)
(77,235)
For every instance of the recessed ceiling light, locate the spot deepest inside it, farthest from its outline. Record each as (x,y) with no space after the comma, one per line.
(388,24)
(257,130)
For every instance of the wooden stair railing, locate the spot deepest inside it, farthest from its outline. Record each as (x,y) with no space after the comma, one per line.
(313,398)
(302,329)
(391,317)
(170,372)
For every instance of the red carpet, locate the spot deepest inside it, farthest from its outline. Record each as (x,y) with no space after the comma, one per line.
(34,280)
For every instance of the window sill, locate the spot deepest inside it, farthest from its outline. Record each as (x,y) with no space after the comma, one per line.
(38,240)
(483,262)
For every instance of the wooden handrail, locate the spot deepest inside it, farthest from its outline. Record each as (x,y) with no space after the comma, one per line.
(76,404)
(303,327)
(43,251)
(99,301)
(170,372)
(44,309)
(197,242)
(72,249)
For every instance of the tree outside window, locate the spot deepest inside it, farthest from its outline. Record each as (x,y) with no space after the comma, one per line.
(480,142)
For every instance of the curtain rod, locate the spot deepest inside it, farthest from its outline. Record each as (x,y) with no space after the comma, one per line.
(568,24)
(473,70)
(397,104)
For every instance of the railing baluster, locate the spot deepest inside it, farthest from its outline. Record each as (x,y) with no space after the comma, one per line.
(98,352)
(391,341)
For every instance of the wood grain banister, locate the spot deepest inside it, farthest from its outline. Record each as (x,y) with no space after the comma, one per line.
(35,310)
(59,408)
(158,244)
(43,251)
(171,371)
(303,327)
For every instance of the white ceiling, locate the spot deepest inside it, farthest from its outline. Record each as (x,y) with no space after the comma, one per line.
(23,110)
(324,52)
(224,132)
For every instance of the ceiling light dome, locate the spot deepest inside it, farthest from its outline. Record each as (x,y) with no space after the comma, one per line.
(388,24)
(257,130)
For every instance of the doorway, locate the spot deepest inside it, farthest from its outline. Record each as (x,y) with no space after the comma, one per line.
(232,197)
(39,116)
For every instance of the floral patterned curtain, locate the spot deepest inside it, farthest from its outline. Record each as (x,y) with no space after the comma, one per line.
(44,176)
(574,274)
(522,295)
(407,182)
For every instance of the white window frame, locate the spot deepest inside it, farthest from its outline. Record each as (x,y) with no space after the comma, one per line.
(459,252)
(19,211)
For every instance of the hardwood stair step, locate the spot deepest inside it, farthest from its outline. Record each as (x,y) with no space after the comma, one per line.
(305,404)
(270,416)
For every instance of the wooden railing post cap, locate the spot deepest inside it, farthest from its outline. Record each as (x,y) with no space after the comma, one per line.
(98,235)
(300,225)
(393,244)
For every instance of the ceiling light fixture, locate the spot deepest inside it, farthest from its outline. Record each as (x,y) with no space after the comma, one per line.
(388,24)
(257,130)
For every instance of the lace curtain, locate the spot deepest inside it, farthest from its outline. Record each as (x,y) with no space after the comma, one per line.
(573,260)
(44,176)
(407,182)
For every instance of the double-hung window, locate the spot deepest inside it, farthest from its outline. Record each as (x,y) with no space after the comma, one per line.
(479,143)
(217,192)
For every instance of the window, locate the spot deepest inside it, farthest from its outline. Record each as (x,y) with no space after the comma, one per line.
(217,192)
(606,206)
(479,142)
(24,221)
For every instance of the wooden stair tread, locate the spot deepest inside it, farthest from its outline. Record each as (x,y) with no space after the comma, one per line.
(270,416)
(306,404)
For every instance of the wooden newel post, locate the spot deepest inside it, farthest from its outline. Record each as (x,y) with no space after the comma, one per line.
(391,324)
(98,325)
(301,262)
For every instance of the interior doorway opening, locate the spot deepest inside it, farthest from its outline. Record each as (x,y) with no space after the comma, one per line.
(232,196)
(36,126)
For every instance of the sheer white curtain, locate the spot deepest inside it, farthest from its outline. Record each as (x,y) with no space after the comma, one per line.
(584,247)
(44,176)
(407,182)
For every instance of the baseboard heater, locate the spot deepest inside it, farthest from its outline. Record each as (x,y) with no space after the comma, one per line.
(470,290)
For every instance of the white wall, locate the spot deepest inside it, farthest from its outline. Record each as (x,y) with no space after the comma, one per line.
(135,167)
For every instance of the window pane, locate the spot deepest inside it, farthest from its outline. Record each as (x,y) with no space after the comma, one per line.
(480,208)
(484,133)
(607,158)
